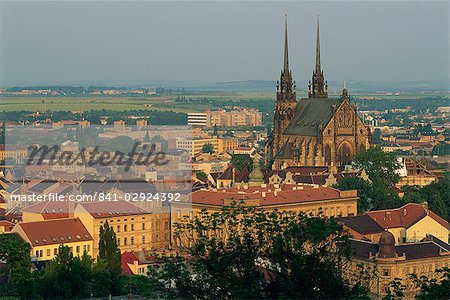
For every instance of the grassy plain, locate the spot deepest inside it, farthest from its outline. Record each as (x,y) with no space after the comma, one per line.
(124,103)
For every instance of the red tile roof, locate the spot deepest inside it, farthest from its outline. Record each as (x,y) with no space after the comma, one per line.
(107,209)
(7,225)
(128,258)
(55,232)
(50,209)
(267,196)
(405,216)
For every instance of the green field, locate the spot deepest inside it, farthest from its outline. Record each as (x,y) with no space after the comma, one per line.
(91,103)
(124,103)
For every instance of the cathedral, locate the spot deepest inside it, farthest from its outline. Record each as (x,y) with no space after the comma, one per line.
(317,130)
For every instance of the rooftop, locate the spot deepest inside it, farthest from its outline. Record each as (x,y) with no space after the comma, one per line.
(55,232)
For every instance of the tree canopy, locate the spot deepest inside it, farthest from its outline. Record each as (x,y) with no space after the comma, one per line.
(244,252)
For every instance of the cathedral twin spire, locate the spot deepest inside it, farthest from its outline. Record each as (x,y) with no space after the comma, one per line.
(318,87)
(286,87)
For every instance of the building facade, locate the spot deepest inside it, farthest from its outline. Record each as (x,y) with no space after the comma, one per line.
(315,131)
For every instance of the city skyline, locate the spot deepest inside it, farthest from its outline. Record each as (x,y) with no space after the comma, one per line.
(217,42)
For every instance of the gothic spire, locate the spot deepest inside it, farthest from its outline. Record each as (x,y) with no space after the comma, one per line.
(317,48)
(286,53)
(318,87)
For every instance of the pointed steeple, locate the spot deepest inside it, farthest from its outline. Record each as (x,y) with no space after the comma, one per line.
(318,47)
(344,95)
(318,87)
(285,84)
(286,48)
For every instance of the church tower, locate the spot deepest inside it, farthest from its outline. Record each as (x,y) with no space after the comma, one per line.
(318,87)
(286,97)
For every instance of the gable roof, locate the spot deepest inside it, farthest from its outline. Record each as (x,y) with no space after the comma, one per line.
(405,216)
(310,114)
(55,232)
(362,224)
(50,209)
(105,209)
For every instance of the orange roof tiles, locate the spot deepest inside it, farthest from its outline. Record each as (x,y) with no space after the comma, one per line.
(55,232)
(405,216)
(267,196)
(107,209)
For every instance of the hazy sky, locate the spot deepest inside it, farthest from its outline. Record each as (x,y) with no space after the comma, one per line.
(221,41)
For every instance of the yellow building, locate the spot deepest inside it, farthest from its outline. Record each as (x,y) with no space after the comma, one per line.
(16,153)
(307,199)
(411,222)
(46,236)
(389,261)
(194,146)
(136,229)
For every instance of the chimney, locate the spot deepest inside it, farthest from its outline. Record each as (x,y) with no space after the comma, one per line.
(405,212)
(275,192)
(424,205)
(263,194)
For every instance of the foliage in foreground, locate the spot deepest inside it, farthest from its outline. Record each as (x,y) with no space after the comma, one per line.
(244,252)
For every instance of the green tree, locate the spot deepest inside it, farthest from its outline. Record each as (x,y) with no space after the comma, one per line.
(434,288)
(108,249)
(376,137)
(377,192)
(17,274)
(242,161)
(208,148)
(396,290)
(437,195)
(379,165)
(245,252)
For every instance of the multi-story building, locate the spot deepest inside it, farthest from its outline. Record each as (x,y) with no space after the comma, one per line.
(224,118)
(194,146)
(386,261)
(46,236)
(17,153)
(136,228)
(308,199)
(234,118)
(409,223)
(197,119)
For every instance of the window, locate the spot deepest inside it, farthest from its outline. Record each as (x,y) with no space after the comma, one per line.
(143,239)
(132,227)
(132,240)
(386,272)
(78,249)
(125,228)
(48,252)
(143,226)
(88,248)
(125,241)
(55,251)
(41,253)
(118,242)
(37,253)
